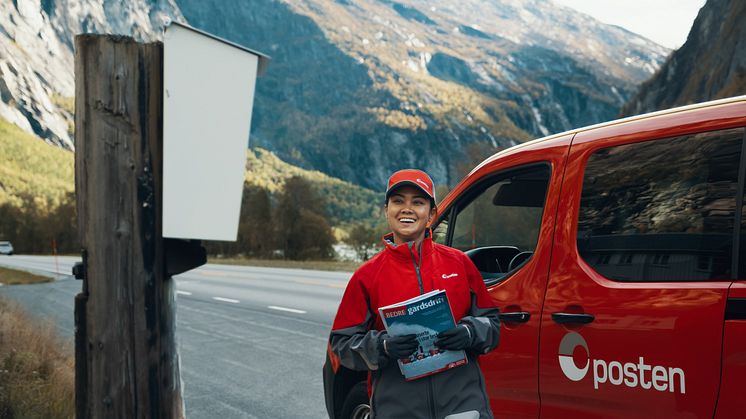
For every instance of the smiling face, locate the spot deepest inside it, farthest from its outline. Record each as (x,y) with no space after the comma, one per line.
(408,211)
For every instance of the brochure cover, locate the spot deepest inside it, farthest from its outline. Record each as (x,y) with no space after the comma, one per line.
(424,316)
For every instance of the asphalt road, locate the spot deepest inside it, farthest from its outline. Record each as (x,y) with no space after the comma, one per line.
(251,340)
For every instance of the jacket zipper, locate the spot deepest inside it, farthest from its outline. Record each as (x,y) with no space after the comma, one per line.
(410,245)
(432,397)
(430,392)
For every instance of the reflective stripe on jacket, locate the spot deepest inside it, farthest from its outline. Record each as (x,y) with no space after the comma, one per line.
(390,277)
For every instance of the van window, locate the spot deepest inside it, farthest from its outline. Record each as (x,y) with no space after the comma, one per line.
(440,231)
(662,210)
(497,224)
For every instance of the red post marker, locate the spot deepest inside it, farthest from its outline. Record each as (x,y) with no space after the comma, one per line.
(54,252)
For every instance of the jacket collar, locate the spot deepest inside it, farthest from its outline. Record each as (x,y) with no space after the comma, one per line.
(402,250)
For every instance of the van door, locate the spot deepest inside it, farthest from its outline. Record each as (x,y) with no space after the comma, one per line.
(632,324)
(503,218)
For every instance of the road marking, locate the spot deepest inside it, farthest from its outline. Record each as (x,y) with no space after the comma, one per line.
(321,283)
(290,310)
(184,292)
(227,300)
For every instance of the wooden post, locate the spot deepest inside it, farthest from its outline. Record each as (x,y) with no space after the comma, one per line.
(129,362)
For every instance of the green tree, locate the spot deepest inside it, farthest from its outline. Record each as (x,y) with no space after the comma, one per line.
(256,229)
(303,231)
(34,224)
(63,223)
(364,241)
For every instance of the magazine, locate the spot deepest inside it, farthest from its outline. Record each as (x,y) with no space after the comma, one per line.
(424,316)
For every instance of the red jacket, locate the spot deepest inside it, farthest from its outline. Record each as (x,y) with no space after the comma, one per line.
(390,277)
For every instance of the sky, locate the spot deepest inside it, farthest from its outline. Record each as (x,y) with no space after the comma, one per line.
(666,22)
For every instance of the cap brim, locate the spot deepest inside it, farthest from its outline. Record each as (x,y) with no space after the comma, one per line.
(399,184)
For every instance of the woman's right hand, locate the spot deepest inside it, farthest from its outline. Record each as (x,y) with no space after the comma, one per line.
(399,347)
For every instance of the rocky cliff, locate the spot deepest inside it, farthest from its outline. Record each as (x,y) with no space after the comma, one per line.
(358,88)
(710,65)
(36,54)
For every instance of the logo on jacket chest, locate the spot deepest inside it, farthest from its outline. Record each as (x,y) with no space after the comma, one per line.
(446,276)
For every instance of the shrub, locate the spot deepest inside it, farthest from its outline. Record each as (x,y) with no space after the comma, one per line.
(37,378)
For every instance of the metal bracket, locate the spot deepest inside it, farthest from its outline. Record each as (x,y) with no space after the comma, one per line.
(80,269)
(183,255)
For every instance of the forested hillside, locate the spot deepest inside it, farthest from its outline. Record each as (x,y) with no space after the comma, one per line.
(37,202)
(345,202)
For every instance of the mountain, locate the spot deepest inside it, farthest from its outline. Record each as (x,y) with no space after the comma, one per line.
(359,88)
(37,83)
(710,65)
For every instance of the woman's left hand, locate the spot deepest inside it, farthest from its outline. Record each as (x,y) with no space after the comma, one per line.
(455,339)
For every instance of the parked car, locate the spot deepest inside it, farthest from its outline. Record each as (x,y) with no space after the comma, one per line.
(617,256)
(6,248)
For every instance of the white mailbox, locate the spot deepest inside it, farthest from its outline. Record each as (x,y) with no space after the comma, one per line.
(208,95)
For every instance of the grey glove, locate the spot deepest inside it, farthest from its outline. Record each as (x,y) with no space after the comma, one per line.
(455,339)
(398,347)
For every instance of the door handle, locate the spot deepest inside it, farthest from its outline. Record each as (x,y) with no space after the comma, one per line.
(515,317)
(571,318)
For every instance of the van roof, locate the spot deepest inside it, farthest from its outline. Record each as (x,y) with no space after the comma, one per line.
(679,109)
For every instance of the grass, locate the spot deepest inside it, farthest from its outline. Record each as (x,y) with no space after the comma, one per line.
(31,167)
(37,378)
(321,265)
(14,277)
(66,103)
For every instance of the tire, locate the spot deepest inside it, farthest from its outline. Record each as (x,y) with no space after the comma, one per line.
(357,405)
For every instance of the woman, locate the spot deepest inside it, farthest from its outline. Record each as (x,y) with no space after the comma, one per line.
(412,264)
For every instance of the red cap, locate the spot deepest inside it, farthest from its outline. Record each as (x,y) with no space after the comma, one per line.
(412,177)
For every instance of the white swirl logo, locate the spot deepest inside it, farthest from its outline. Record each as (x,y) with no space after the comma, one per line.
(631,374)
(566,348)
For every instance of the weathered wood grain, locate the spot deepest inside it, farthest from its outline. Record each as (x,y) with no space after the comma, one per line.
(132,367)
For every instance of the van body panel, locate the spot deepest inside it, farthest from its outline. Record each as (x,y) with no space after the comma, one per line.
(503,159)
(706,118)
(731,400)
(674,328)
(511,371)
(643,333)
(738,289)
(714,114)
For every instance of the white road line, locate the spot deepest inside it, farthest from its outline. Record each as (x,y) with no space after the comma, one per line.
(291,310)
(184,292)
(227,300)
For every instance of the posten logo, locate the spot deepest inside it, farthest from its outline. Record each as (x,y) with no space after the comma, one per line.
(631,374)
(566,348)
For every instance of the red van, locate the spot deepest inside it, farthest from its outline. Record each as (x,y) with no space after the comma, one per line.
(617,256)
